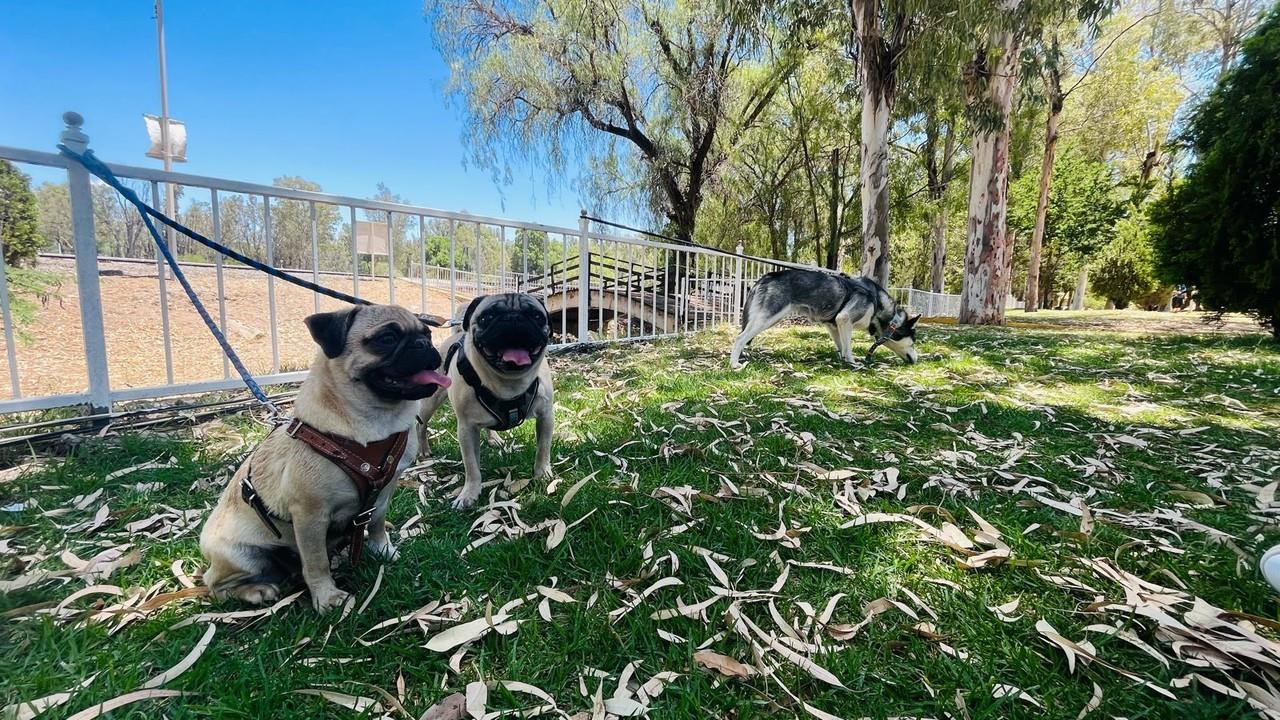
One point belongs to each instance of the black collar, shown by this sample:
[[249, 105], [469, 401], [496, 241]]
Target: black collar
[[507, 413]]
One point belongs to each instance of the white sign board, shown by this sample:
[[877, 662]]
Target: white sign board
[[371, 238], [177, 138]]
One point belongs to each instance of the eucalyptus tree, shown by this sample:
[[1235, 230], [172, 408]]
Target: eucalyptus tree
[[1060, 81], [1003, 28]]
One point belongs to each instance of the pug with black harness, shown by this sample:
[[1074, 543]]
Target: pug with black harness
[[326, 477], [499, 378]]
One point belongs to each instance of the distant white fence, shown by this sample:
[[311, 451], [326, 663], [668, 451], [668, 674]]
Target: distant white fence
[[931, 304]]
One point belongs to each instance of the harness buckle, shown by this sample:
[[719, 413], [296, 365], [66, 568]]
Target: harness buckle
[[362, 518]]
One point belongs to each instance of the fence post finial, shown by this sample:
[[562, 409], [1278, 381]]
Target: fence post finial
[[72, 136]]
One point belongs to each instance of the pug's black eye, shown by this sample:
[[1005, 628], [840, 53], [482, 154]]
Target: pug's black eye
[[386, 338]]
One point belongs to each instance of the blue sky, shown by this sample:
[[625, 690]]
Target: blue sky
[[346, 94]]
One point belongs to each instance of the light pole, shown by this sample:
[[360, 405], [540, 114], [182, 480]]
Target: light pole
[[166, 150]]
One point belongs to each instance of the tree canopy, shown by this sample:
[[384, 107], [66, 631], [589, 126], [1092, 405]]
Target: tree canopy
[[1219, 229]]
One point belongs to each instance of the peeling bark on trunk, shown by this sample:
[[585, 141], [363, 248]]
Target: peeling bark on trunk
[[875, 188], [877, 69], [986, 263], [1053, 86]]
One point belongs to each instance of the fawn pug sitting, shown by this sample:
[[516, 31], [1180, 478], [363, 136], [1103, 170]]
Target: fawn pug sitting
[[328, 475]]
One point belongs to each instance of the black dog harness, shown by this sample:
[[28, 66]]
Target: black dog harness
[[507, 413], [849, 291], [887, 336], [370, 467]]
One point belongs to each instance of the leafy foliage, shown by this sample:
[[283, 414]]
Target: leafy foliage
[[1082, 212], [18, 234], [1124, 270], [1220, 229]]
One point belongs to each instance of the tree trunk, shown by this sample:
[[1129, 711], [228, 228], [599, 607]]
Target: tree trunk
[[1082, 285], [938, 277], [835, 253], [986, 262], [1054, 88], [876, 65], [939, 178]]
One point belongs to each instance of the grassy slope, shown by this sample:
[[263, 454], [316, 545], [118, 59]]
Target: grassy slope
[[1056, 396]]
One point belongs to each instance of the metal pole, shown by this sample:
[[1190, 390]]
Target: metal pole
[[391, 263], [453, 269], [315, 255], [271, 285], [584, 277], [166, 150], [217, 264], [95, 343]]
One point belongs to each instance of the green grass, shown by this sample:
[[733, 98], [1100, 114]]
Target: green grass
[[1046, 399]]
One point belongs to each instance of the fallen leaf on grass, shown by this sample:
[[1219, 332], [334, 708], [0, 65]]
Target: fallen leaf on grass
[[1072, 649], [1093, 703], [1197, 499], [477, 699], [1003, 691], [1005, 611], [237, 614], [453, 707], [185, 663], [357, 703], [723, 664], [464, 633], [32, 708], [126, 699]]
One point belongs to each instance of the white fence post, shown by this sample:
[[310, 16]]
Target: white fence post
[[584, 277], [737, 285], [95, 344]]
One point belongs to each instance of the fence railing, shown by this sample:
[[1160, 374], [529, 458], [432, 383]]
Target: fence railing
[[100, 329], [931, 304], [114, 327]]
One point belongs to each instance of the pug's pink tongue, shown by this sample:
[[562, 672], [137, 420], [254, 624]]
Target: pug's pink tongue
[[430, 377], [519, 357]]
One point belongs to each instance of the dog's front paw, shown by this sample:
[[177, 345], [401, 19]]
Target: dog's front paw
[[383, 549], [541, 471], [257, 593], [330, 598], [466, 497], [737, 365]]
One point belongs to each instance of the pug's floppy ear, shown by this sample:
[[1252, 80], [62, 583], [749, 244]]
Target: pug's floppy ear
[[330, 329], [471, 309]]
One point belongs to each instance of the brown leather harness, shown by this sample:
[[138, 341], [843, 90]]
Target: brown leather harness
[[370, 468]]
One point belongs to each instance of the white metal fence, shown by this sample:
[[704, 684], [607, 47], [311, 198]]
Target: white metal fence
[[115, 327], [931, 304]]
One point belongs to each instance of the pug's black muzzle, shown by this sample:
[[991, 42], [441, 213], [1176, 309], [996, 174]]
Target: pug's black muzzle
[[511, 341], [394, 378]]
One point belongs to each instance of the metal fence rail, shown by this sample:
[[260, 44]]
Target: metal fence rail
[[129, 334]]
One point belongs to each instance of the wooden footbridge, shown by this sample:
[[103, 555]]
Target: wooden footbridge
[[625, 298]]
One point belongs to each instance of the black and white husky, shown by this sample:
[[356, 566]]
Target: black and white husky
[[839, 303]]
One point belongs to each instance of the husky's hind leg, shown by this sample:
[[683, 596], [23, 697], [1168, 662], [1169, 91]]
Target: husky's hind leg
[[757, 322]]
